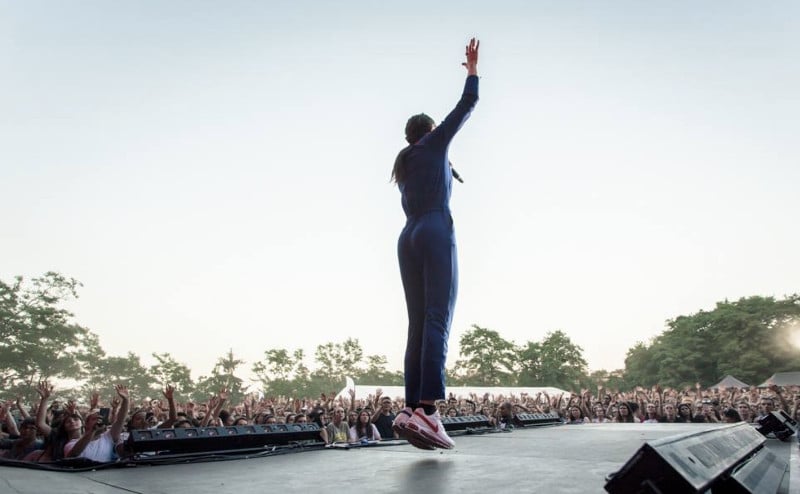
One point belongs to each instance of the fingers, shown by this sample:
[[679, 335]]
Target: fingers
[[473, 46]]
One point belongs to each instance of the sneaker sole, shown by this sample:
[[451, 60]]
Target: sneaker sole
[[418, 442], [420, 435], [412, 439]]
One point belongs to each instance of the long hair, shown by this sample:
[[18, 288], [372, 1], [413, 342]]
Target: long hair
[[629, 416], [416, 127], [59, 437], [364, 430]]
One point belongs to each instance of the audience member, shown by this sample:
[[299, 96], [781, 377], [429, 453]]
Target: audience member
[[364, 429]]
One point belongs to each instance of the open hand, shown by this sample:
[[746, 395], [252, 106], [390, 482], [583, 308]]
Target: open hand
[[472, 57], [169, 392], [122, 391], [44, 389]]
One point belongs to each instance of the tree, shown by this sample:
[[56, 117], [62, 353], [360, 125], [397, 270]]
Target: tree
[[222, 377], [376, 372], [282, 373], [167, 370], [610, 380], [562, 362], [641, 368], [488, 359], [336, 361], [128, 370], [38, 338], [529, 359], [750, 339]]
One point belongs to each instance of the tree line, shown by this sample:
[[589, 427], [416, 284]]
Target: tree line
[[39, 339]]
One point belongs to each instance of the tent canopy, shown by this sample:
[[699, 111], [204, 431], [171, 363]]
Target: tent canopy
[[365, 390], [730, 382], [782, 379]]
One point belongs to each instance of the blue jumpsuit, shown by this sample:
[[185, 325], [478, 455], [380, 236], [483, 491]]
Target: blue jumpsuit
[[427, 253]]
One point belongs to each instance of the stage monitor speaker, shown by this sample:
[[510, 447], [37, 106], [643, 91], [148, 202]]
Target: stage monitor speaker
[[536, 419], [779, 424], [689, 462], [761, 474], [465, 422], [197, 439]]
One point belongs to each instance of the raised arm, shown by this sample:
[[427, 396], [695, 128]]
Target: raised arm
[[169, 394], [441, 135], [7, 417], [777, 390], [122, 414], [91, 422], [22, 412], [212, 405], [223, 398], [44, 389]]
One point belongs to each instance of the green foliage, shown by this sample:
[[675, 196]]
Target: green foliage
[[641, 367], [38, 339], [377, 373], [749, 339], [488, 359], [127, 370], [610, 380], [167, 370], [281, 373], [222, 377], [336, 361], [555, 361], [529, 360]]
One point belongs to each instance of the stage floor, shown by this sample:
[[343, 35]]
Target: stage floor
[[552, 459]]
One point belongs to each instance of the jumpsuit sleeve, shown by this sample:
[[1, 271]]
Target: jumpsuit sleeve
[[444, 133]]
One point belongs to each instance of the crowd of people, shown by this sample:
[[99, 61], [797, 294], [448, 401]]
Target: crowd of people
[[52, 430]]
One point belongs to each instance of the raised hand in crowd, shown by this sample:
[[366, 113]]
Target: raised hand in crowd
[[352, 393], [122, 413], [94, 400], [115, 407], [7, 418], [44, 389], [22, 411], [71, 408], [169, 394]]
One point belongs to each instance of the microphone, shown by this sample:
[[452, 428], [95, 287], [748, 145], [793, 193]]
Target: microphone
[[455, 174]]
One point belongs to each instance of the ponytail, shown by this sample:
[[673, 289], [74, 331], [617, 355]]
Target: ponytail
[[416, 127], [399, 169]]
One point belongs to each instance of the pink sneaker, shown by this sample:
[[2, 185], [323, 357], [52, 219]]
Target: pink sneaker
[[428, 429], [399, 424]]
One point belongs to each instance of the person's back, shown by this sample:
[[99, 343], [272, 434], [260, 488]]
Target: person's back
[[427, 177], [426, 251]]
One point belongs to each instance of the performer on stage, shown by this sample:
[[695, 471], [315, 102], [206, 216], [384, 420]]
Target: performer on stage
[[428, 267]]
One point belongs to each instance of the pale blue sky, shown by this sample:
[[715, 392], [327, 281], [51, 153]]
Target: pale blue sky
[[217, 173]]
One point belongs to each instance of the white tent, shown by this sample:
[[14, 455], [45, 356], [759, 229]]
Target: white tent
[[363, 391], [730, 382], [782, 379]]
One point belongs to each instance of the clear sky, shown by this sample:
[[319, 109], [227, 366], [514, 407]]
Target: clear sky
[[216, 174]]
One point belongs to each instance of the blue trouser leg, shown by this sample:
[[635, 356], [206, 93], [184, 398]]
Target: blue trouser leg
[[429, 270]]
